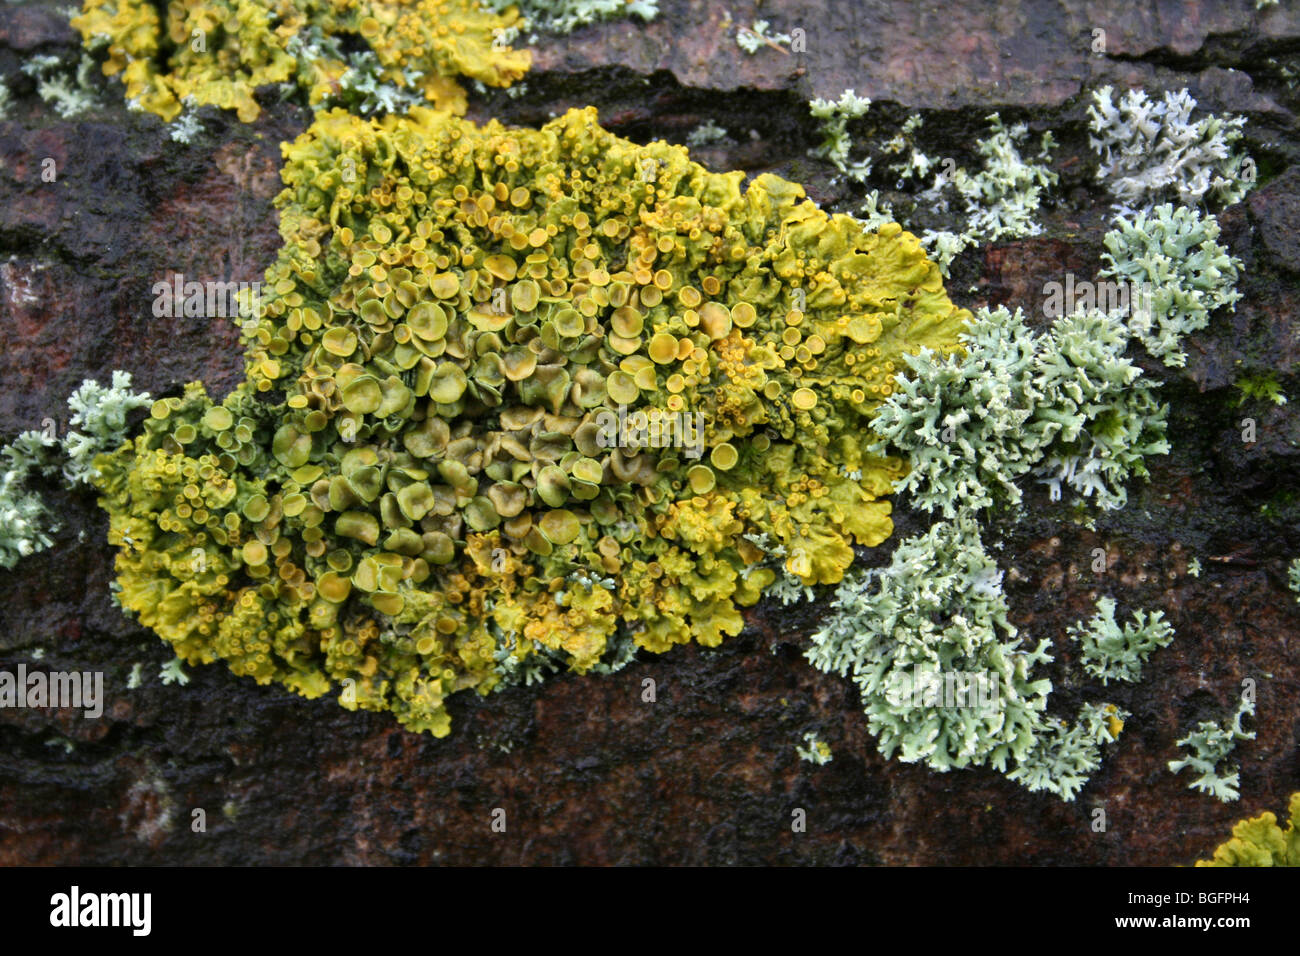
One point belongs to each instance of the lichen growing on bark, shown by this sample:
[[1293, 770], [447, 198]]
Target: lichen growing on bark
[[529, 390], [218, 53]]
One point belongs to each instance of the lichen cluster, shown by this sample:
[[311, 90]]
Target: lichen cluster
[[1259, 841], [529, 399], [1067, 753], [815, 750], [1173, 260], [937, 609], [467, 438], [755, 37], [187, 52], [1001, 199], [68, 89], [964, 420], [98, 424], [1151, 150], [833, 118], [26, 522], [934, 619], [1206, 752], [1167, 255], [1065, 406], [1103, 419], [565, 16], [1112, 652]]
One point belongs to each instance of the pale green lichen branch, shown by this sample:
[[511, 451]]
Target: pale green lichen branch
[[706, 133], [1003, 198], [173, 672], [836, 144], [1208, 747], [753, 38], [71, 91], [944, 678], [1117, 653], [1151, 150], [25, 522], [1177, 271], [98, 424], [1065, 754], [1065, 406]]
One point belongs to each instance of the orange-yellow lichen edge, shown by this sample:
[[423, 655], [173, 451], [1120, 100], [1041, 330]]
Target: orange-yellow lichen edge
[[1259, 841], [520, 397], [217, 52]]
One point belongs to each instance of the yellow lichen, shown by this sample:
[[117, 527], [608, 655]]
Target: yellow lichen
[[530, 396], [218, 53], [1259, 841]]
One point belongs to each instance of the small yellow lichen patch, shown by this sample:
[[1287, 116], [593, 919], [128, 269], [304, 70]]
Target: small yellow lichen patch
[[1259, 841], [218, 53]]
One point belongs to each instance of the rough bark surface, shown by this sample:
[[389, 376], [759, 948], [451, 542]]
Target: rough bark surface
[[586, 771]]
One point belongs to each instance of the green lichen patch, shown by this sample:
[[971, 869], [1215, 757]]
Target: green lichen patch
[[1151, 150], [1001, 199], [815, 750], [944, 678], [67, 88], [1117, 653], [833, 118], [1179, 273], [1207, 749], [1066, 753], [1066, 407], [937, 610], [26, 522], [98, 424]]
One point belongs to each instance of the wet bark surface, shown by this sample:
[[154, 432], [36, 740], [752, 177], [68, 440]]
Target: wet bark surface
[[586, 770]]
